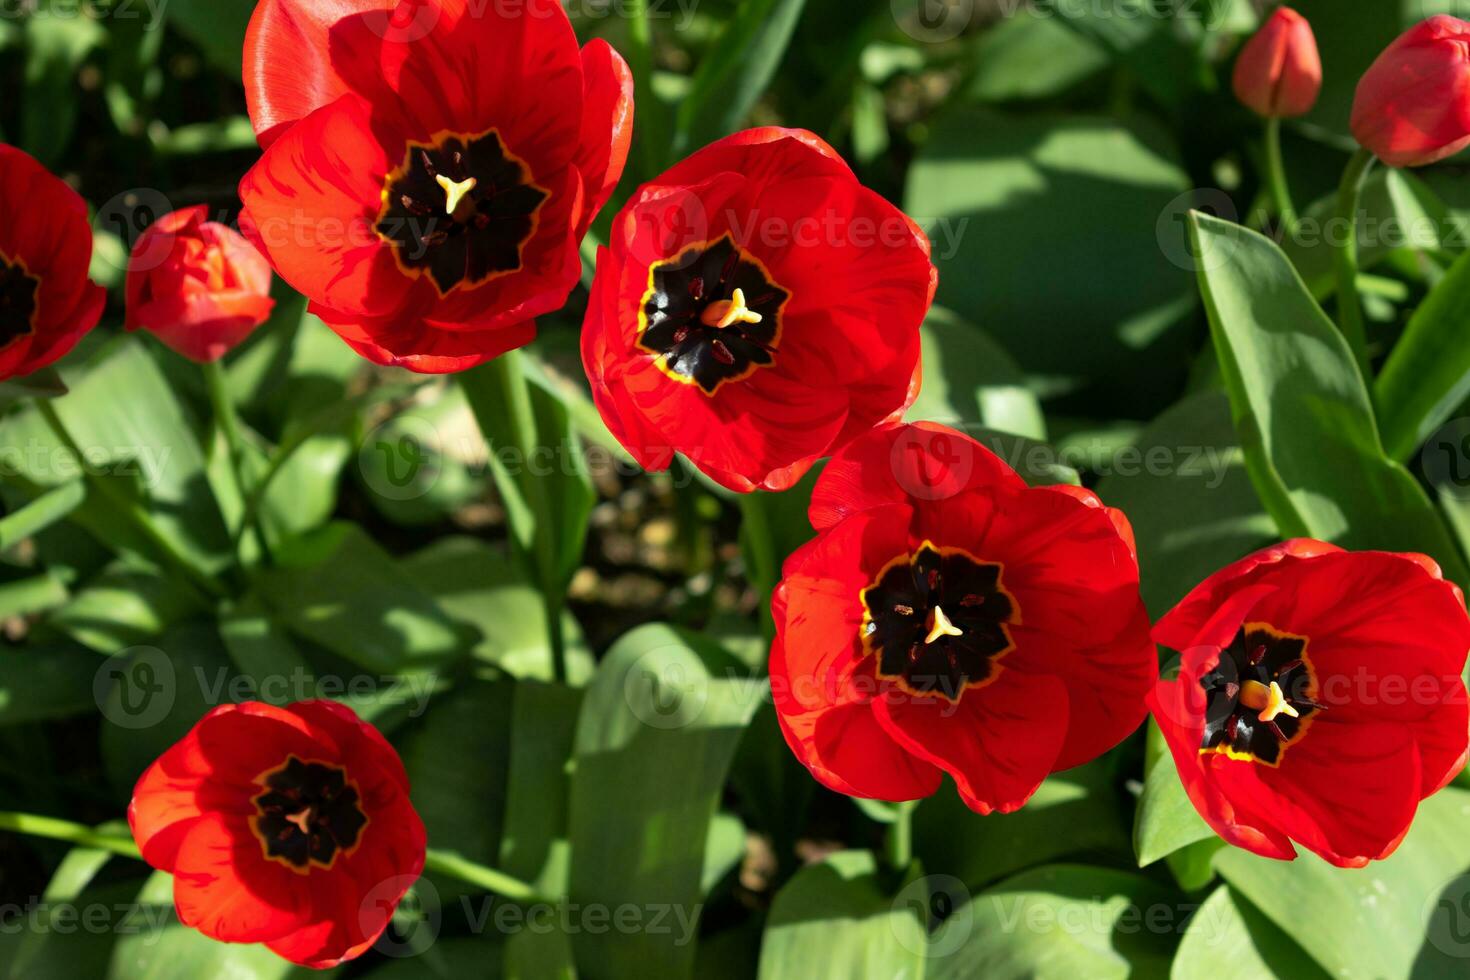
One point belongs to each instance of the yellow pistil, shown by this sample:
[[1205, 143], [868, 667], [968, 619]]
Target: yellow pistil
[[454, 191], [1269, 701], [302, 820], [939, 625], [723, 313]]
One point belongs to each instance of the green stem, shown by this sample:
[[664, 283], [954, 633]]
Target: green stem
[[227, 420], [454, 866], [760, 551], [1349, 308], [900, 841], [170, 554], [441, 862], [506, 375], [65, 830], [1276, 177]]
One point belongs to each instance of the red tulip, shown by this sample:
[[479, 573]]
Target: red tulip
[[950, 620], [46, 300], [197, 285], [1319, 698], [1279, 73], [757, 309], [429, 170], [1413, 104], [285, 826]]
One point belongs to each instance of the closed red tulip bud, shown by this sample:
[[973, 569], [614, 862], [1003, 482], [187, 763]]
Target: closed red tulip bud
[[198, 285], [1413, 104], [1279, 72]]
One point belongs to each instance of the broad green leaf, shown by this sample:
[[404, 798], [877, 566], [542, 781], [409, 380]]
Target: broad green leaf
[[534, 845], [538, 466], [263, 651], [217, 26], [1427, 377], [539, 954], [32, 595], [1107, 312], [57, 45], [482, 587], [124, 415], [1301, 407], [457, 764], [42, 682], [1166, 820], [163, 949], [1397, 212], [41, 513], [1397, 918], [1075, 814], [1184, 486], [1229, 939], [970, 379], [57, 948], [129, 603], [735, 69], [1061, 921], [834, 921], [150, 696], [337, 588], [654, 742], [1029, 56], [426, 462]]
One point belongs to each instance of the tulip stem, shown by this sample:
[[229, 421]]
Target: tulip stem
[[763, 567], [227, 421], [1276, 176], [131, 507], [1349, 307], [899, 844], [500, 396], [74, 833], [454, 866]]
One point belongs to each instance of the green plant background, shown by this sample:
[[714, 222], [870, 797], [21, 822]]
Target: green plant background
[[1088, 326]]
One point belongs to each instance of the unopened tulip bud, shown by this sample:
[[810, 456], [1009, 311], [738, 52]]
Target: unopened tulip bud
[[1279, 73]]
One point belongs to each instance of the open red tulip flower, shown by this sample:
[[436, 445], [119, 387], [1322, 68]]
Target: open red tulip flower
[[1319, 698], [430, 167], [1413, 104], [46, 300], [949, 619], [757, 309], [287, 826], [197, 285], [1279, 72]]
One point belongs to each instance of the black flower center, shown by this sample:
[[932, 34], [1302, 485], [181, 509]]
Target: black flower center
[[937, 621], [1260, 697], [17, 301], [307, 813], [460, 208], [712, 313]]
